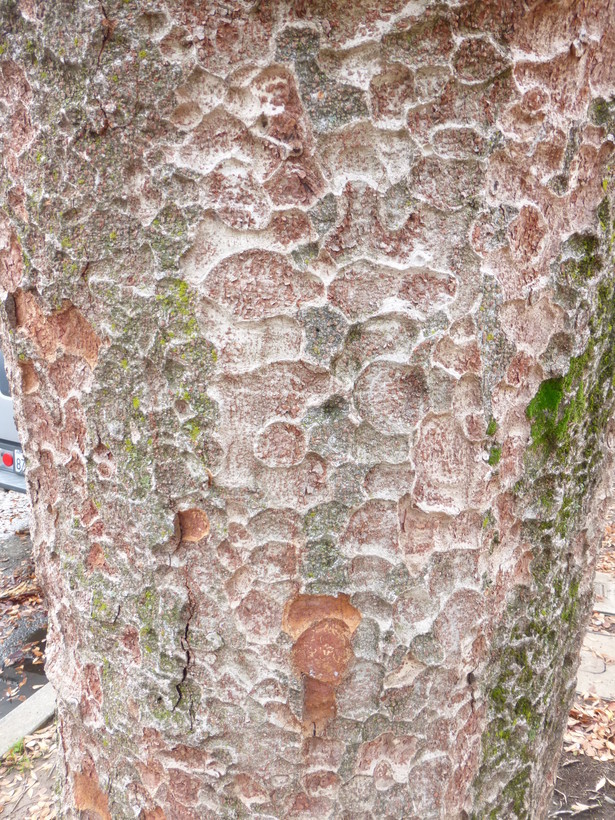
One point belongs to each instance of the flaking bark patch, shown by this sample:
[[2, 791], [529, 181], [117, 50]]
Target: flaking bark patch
[[322, 626], [193, 524], [89, 797], [64, 330]]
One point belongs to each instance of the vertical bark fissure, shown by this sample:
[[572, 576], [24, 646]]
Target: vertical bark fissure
[[108, 27], [185, 644]]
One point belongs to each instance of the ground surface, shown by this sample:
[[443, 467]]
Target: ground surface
[[584, 788], [585, 784], [22, 614], [27, 774], [28, 777]]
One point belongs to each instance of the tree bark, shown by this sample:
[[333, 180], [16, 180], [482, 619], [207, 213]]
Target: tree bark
[[308, 310]]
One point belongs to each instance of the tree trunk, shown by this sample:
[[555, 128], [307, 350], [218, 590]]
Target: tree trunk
[[308, 309]]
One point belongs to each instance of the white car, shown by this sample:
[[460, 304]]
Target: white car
[[12, 462]]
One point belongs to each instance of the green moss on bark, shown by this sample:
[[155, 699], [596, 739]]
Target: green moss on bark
[[528, 687]]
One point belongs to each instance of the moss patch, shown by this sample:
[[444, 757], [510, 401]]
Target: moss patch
[[527, 686]]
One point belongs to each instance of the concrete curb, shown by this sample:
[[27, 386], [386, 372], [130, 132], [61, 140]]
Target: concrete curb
[[604, 589], [27, 717]]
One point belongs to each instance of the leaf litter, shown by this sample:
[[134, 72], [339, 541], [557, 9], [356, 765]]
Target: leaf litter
[[28, 777]]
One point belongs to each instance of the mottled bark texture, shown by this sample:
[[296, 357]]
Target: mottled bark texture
[[308, 307]]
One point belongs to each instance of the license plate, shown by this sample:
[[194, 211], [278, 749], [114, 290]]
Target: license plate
[[20, 462]]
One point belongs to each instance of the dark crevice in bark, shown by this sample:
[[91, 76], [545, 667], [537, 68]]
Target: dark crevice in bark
[[471, 679], [105, 125], [178, 686], [108, 27], [185, 644]]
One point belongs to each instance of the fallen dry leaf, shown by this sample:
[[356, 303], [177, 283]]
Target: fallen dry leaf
[[591, 728]]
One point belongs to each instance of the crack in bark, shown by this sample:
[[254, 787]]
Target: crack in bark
[[471, 679], [87, 129], [109, 27], [185, 644]]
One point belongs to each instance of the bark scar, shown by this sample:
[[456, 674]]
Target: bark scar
[[322, 626]]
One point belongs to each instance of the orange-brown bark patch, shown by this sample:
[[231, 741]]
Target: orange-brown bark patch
[[322, 626], [29, 379], [89, 796], [305, 610], [152, 814], [95, 558], [318, 704], [323, 651], [250, 791], [76, 335], [30, 318], [67, 329], [193, 524]]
